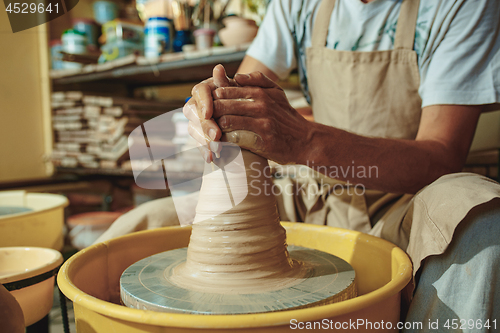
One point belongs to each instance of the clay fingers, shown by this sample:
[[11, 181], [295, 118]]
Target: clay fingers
[[239, 107], [250, 93], [204, 131], [229, 123], [220, 77], [256, 79], [245, 139], [202, 97]]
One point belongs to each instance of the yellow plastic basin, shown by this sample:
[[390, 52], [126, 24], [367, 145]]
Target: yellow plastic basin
[[91, 280], [29, 273], [40, 227]]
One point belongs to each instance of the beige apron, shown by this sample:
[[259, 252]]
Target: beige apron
[[367, 93], [376, 94]]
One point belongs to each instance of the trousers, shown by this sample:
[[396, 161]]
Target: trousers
[[459, 290]]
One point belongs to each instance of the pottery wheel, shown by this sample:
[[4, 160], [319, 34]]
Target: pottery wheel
[[146, 285]]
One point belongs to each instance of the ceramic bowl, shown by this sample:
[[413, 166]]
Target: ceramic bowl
[[28, 273], [237, 31], [32, 219]]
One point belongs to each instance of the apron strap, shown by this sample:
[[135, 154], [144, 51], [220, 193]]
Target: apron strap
[[405, 30], [321, 24], [407, 24]]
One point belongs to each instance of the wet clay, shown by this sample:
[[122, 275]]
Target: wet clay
[[237, 244]]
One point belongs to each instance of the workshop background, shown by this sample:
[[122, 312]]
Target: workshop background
[[72, 90]]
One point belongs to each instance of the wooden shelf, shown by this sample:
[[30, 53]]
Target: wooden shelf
[[161, 73], [120, 77], [484, 157]]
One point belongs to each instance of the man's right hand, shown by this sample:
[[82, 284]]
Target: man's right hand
[[199, 110]]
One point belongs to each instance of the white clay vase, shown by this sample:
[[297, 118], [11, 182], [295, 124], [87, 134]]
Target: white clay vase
[[238, 30]]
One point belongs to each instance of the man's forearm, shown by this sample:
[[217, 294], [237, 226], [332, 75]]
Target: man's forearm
[[389, 165], [394, 165]]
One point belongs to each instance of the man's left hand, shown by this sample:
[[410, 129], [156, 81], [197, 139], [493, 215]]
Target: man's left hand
[[258, 117]]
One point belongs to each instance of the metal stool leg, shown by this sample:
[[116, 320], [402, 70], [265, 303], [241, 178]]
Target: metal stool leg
[[64, 311]]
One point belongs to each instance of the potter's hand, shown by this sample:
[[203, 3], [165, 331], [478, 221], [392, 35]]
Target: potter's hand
[[199, 111], [258, 117], [153, 214]]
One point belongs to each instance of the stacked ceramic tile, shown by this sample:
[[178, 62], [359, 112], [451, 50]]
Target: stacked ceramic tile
[[91, 131]]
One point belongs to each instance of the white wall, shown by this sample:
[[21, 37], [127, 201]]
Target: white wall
[[25, 128]]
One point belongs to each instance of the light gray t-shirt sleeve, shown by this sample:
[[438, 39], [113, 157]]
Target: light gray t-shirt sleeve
[[274, 43], [460, 64]]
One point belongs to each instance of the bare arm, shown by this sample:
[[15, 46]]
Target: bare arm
[[392, 165], [257, 116], [275, 130]]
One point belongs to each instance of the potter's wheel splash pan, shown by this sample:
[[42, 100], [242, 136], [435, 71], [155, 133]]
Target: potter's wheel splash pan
[[91, 280]]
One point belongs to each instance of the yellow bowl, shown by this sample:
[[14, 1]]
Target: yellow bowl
[[91, 280], [28, 273], [42, 226]]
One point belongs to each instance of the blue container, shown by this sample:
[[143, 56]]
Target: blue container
[[105, 11], [182, 37], [158, 34]]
